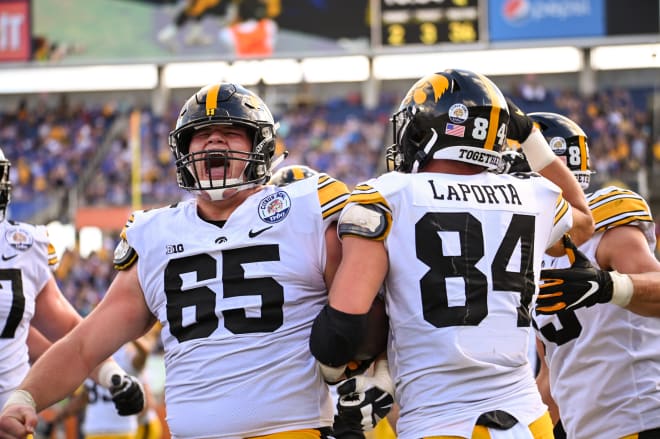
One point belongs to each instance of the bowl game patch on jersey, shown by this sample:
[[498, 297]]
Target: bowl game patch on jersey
[[275, 207], [19, 239]]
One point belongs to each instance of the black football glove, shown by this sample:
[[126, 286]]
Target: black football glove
[[581, 285], [364, 400], [520, 125], [127, 394]]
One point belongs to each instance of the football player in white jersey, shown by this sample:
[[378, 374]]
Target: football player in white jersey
[[235, 276], [459, 250], [33, 310], [603, 363]]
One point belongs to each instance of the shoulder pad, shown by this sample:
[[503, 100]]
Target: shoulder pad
[[124, 255], [367, 221]]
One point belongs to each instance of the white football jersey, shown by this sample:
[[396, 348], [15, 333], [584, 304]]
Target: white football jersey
[[26, 262], [101, 417], [604, 361], [237, 304], [465, 253]]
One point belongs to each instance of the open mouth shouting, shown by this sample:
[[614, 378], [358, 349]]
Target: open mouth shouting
[[216, 165]]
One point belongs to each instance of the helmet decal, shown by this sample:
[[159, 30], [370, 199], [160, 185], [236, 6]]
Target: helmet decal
[[458, 113], [419, 93]]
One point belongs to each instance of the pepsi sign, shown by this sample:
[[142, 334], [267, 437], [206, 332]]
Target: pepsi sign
[[544, 19]]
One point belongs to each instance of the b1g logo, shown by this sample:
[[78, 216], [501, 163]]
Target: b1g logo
[[275, 207], [173, 248]]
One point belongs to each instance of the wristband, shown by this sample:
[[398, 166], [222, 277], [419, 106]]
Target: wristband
[[537, 151], [20, 397], [107, 370], [622, 289]]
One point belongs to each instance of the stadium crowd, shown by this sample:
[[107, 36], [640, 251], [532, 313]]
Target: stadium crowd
[[52, 147]]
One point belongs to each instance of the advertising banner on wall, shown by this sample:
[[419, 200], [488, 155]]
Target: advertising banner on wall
[[14, 30], [129, 30], [511, 20]]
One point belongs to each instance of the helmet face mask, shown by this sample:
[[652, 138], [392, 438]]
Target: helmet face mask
[[455, 115], [223, 104], [5, 184], [568, 141]]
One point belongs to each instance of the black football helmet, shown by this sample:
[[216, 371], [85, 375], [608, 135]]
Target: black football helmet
[[288, 174], [224, 104], [568, 141], [5, 184], [455, 115]]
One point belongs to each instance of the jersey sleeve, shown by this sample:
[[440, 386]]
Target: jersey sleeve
[[563, 220], [613, 207], [51, 253], [125, 255], [350, 223], [333, 195]]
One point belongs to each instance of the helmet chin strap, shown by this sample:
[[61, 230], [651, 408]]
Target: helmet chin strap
[[224, 193]]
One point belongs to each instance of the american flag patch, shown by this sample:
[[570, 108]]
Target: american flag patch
[[455, 130]]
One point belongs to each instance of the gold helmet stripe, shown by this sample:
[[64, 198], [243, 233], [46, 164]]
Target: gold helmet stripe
[[584, 158], [212, 99], [493, 123]]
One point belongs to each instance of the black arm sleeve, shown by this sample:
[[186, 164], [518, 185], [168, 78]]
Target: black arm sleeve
[[336, 336]]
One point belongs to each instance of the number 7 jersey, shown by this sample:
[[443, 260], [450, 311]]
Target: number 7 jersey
[[237, 304], [465, 253], [27, 261]]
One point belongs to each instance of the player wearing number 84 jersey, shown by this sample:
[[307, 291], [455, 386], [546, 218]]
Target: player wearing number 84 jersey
[[459, 249]]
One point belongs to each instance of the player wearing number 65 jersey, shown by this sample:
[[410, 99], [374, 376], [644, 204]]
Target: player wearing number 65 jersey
[[459, 250], [235, 276], [603, 362]]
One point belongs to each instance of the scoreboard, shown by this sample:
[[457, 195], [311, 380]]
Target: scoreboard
[[428, 22]]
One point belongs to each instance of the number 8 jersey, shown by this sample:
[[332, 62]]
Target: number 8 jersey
[[237, 303], [465, 254]]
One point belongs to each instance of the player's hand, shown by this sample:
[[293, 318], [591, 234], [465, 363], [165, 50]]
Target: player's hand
[[512, 162], [17, 421], [365, 400], [520, 125], [127, 394], [581, 285]]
